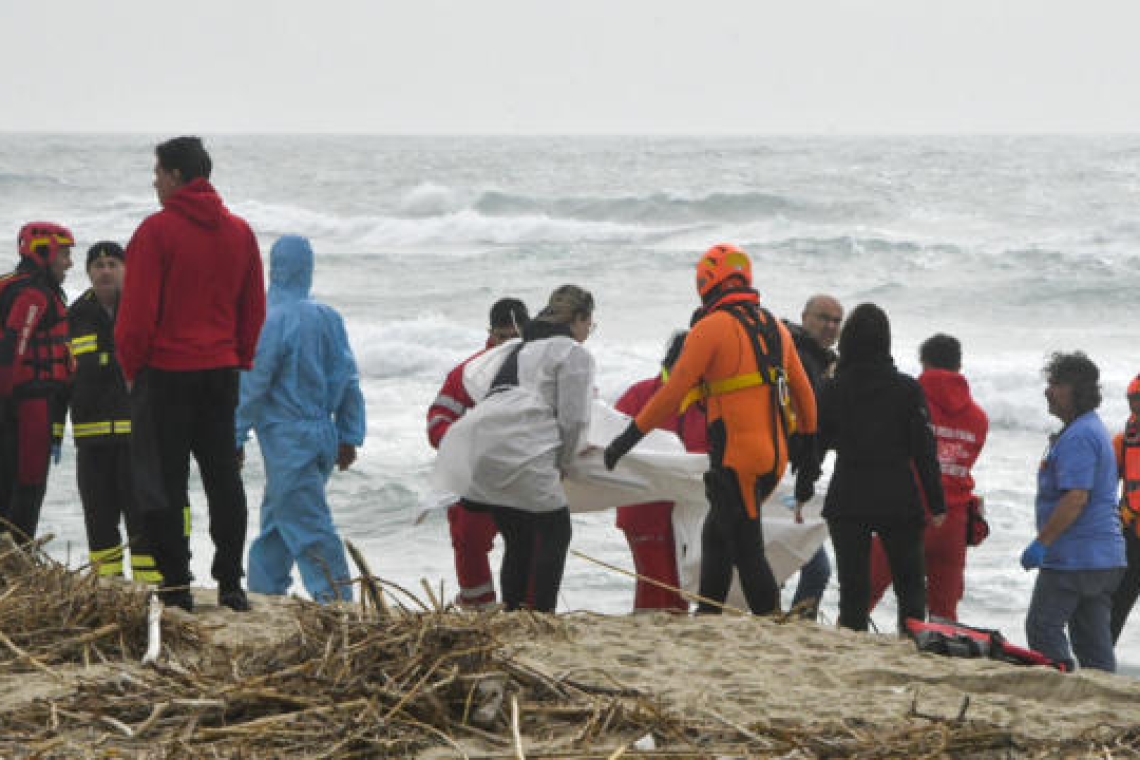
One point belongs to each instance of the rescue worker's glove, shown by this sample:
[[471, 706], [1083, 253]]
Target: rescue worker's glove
[[621, 445], [1033, 555], [56, 451], [1127, 514], [805, 464]]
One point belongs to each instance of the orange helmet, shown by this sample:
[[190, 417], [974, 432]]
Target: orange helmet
[[41, 241], [1134, 386], [719, 264]]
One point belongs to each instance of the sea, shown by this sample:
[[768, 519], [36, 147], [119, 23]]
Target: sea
[[1018, 245]]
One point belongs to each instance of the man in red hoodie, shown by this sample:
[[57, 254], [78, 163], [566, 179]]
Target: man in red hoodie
[[192, 307], [472, 533], [960, 428]]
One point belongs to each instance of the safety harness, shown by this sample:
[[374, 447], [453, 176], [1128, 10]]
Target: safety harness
[[1130, 474], [758, 323]]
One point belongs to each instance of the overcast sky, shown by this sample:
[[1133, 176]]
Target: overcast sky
[[576, 66]]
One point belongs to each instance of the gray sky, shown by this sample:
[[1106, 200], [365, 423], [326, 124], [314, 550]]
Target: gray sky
[[577, 66]]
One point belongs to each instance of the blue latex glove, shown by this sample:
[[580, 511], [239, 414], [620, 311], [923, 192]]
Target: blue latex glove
[[1033, 555], [56, 451]]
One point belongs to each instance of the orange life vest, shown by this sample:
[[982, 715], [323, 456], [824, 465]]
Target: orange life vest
[[1128, 460]]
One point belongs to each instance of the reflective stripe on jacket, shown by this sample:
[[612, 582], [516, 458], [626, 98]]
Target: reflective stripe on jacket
[[100, 405]]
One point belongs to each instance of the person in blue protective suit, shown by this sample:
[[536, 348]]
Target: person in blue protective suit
[[303, 400]]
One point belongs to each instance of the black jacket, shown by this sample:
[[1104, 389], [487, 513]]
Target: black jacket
[[804, 453], [100, 406], [876, 420], [815, 358]]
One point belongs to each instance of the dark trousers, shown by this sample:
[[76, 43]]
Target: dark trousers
[[25, 450], [534, 555], [174, 415], [730, 538], [904, 548], [1129, 588], [103, 472]]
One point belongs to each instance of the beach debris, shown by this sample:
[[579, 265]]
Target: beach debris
[[397, 679], [153, 629]]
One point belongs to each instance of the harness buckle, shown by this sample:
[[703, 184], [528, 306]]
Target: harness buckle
[[782, 389]]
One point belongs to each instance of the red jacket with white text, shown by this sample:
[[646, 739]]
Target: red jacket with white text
[[194, 292], [960, 427]]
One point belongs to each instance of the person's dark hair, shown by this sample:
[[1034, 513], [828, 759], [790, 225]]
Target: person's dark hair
[[186, 154], [105, 248], [509, 312], [673, 348], [866, 335], [1077, 371], [941, 351]]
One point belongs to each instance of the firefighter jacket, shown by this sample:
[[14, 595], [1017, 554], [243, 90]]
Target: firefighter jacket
[[100, 404]]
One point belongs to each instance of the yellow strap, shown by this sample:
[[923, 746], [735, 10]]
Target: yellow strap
[[107, 562], [84, 344], [88, 429], [186, 521], [146, 576], [143, 569], [102, 555], [105, 427], [720, 387], [109, 569]]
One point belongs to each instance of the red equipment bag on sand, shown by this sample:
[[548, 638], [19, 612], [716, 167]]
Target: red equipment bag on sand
[[957, 640]]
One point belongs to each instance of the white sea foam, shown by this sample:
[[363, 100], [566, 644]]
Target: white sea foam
[[1019, 246]]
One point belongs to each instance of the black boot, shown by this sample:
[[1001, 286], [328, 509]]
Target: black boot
[[233, 597]]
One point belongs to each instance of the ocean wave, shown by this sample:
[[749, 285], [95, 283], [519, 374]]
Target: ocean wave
[[350, 233], [24, 182], [664, 208]]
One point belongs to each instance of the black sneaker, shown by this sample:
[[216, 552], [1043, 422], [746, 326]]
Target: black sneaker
[[234, 598], [177, 597]]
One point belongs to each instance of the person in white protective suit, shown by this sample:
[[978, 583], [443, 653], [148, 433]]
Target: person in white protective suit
[[508, 455], [303, 399]]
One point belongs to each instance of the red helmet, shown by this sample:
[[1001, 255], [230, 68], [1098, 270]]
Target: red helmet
[[1134, 386], [719, 264], [41, 241]]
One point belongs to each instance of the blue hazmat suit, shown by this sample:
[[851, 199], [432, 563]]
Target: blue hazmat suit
[[303, 400]]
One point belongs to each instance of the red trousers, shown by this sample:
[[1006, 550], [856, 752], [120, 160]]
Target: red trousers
[[649, 530], [472, 535], [945, 548], [25, 450]]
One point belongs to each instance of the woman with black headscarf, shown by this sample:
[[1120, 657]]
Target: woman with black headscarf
[[886, 476]]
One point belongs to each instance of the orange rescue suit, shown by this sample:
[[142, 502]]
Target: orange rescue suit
[[716, 349], [1127, 446]]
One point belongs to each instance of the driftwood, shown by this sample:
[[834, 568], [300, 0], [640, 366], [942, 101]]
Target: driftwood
[[380, 681]]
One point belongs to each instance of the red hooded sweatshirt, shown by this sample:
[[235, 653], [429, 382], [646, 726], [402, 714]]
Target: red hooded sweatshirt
[[960, 428], [194, 292]]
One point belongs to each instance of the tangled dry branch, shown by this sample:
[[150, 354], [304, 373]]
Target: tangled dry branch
[[374, 680]]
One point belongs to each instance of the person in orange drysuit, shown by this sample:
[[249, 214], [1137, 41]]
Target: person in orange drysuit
[[742, 362], [649, 527]]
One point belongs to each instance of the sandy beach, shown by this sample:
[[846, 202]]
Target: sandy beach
[[683, 686]]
